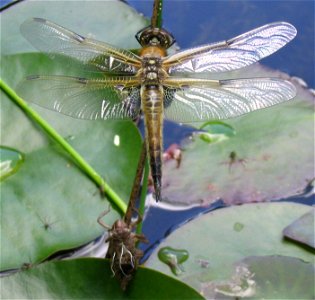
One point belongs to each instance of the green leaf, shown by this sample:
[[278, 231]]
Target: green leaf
[[49, 204], [113, 22], [253, 165], [50, 188], [218, 240], [90, 279], [265, 277]]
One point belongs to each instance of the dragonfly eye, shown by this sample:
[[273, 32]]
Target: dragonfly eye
[[155, 37]]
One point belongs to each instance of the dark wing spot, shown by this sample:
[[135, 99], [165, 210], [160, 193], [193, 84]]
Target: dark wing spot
[[82, 80], [79, 38], [32, 77], [40, 20]]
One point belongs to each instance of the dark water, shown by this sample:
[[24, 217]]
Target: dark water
[[199, 22]]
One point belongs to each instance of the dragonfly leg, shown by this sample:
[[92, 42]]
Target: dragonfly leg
[[99, 219]]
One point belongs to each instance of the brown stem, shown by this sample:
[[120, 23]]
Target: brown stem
[[136, 186]]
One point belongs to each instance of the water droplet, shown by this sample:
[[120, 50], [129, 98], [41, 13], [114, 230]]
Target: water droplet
[[10, 161], [238, 226], [173, 258], [215, 131]]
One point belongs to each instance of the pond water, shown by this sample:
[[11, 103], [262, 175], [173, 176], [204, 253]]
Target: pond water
[[199, 22]]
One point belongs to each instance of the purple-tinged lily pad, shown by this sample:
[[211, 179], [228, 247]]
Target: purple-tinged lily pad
[[270, 156], [302, 229]]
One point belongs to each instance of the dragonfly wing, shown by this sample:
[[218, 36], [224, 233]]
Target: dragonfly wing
[[83, 98], [235, 53], [226, 99], [53, 39]]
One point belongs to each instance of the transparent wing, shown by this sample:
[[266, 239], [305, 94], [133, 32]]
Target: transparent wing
[[235, 53], [224, 99], [53, 39], [84, 98]]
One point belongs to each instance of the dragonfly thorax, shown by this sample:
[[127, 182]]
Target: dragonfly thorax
[[152, 71]]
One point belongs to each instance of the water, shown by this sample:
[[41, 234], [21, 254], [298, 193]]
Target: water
[[199, 22]]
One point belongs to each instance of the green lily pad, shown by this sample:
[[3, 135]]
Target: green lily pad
[[253, 165], [49, 204], [302, 229], [218, 240], [51, 189], [90, 279], [265, 277], [111, 21]]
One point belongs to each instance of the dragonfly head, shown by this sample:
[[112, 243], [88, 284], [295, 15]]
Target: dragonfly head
[[150, 36]]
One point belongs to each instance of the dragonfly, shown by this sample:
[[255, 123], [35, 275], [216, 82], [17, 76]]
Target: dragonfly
[[155, 84]]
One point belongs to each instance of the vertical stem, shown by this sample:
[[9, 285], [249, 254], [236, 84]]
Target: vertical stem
[[143, 194], [136, 185], [156, 20]]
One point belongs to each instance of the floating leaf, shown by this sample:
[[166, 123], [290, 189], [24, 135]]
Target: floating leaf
[[218, 240], [49, 204], [280, 277], [302, 229], [254, 165], [90, 279], [265, 277]]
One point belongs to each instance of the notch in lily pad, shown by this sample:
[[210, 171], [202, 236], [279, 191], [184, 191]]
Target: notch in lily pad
[[10, 161], [174, 258], [215, 131]]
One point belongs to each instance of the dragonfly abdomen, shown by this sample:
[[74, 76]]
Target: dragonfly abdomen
[[152, 107]]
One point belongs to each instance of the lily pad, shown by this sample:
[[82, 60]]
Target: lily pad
[[50, 189], [265, 277], [111, 21], [218, 240], [302, 229], [257, 163], [49, 205], [90, 279]]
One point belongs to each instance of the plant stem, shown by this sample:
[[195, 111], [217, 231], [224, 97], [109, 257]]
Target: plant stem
[[156, 20], [136, 185], [113, 197], [143, 195]]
